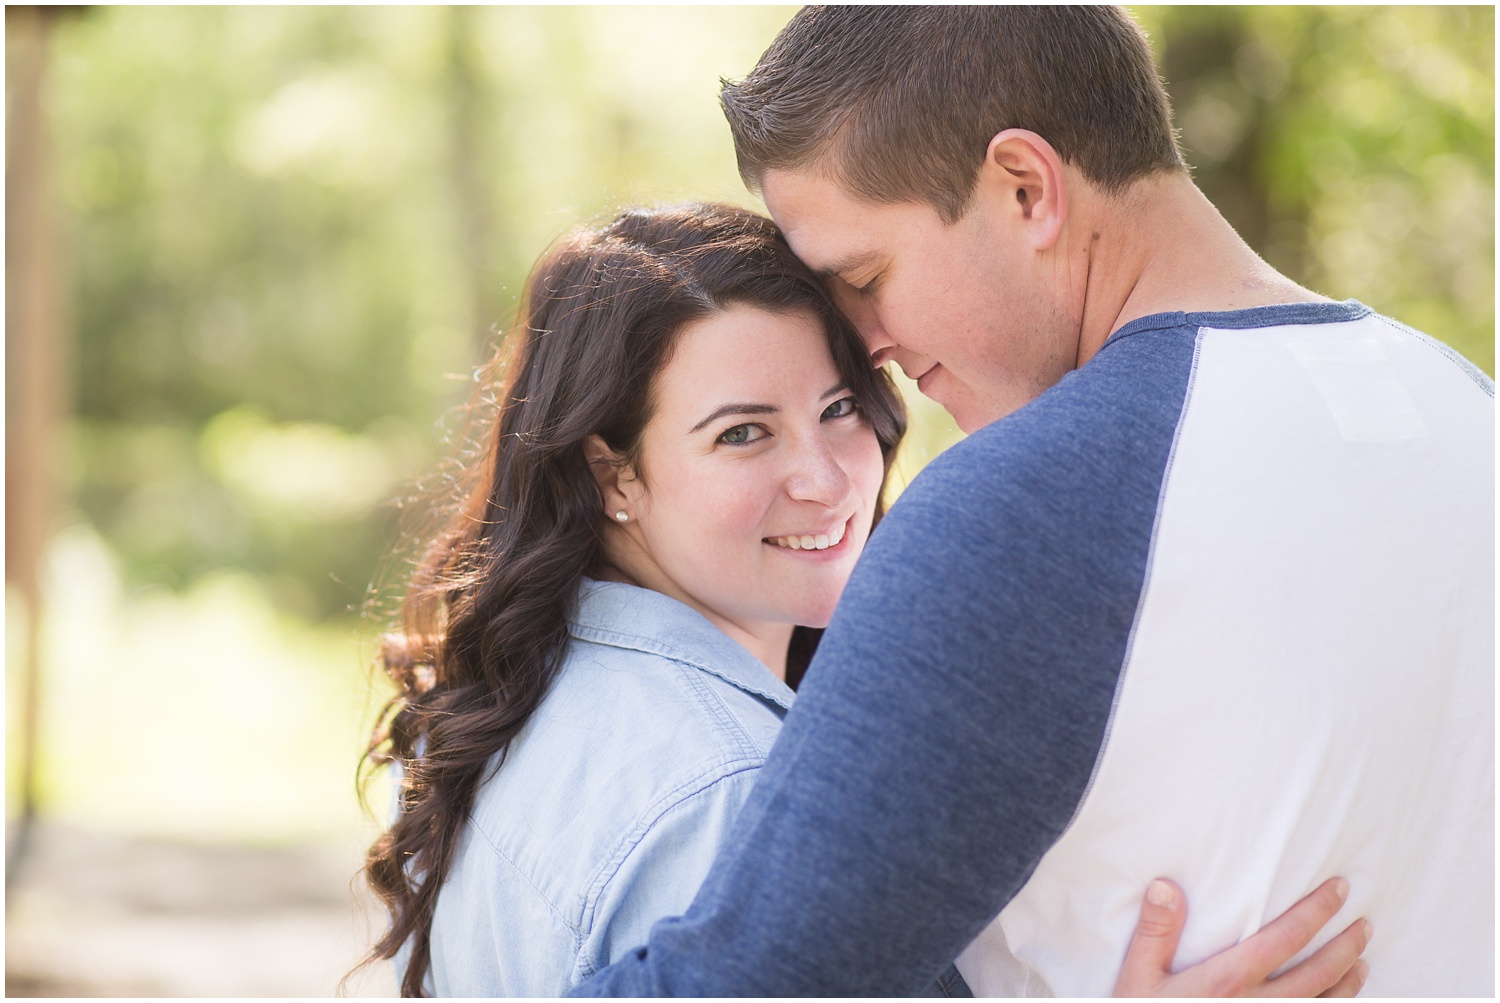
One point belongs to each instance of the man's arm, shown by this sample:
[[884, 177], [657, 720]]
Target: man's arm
[[942, 740]]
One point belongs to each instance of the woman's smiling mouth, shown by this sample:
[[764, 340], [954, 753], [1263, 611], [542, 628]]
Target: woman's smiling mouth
[[810, 541]]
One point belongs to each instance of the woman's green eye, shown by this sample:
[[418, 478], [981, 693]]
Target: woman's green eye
[[737, 435], [841, 407]]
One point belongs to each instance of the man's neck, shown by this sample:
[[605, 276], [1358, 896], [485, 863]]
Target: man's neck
[[1163, 247]]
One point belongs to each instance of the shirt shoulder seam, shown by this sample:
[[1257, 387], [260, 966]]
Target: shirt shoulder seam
[[1453, 358], [524, 876], [681, 795], [1166, 477]]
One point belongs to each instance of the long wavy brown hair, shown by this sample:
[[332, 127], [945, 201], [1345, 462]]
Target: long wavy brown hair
[[483, 624]]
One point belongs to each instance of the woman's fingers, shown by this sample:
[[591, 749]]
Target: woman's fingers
[[1148, 962], [1278, 941], [1244, 970], [1328, 971], [1349, 986]]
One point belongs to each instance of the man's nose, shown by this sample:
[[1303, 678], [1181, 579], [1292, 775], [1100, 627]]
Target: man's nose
[[865, 320]]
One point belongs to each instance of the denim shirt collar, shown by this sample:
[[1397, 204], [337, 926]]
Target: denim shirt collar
[[627, 616]]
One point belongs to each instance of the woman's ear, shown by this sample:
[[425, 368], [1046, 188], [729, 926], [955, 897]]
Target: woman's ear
[[617, 481], [1030, 177]]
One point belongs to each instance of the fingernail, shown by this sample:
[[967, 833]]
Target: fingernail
[[1158, 892], [1369, 929], [1362, 971], [1341, 888]]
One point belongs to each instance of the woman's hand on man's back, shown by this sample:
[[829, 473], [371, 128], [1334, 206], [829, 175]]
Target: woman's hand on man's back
[[1334, 970]]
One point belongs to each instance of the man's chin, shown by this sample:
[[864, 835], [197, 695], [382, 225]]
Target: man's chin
[[938, 386], [971, 416]]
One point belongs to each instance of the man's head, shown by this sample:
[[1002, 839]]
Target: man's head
[[933, 147]]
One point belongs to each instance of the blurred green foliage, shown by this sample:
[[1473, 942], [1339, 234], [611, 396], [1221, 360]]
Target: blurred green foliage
[[292, 232], [293, 229], [1353, 147]]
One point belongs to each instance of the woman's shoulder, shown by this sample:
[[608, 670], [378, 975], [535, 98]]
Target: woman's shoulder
[[622, 728], [650, 697], [649, 713], [648, 670], [624, 624]]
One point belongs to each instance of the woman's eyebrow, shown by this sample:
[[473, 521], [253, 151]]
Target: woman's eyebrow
[[729, 409]]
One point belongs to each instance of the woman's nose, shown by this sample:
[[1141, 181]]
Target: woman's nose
[[817, 475]]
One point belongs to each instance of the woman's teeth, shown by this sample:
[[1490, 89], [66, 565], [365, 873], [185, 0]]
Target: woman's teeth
[[820, 542]]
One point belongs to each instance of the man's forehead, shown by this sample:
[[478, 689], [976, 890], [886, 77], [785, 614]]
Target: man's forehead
[[821, 222], [793, 189]]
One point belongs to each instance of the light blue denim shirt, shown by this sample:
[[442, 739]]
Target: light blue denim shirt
[[612, 801]]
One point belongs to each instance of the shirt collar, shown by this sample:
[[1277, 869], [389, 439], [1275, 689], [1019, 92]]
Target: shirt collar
[[627, 616], [1274, 315]]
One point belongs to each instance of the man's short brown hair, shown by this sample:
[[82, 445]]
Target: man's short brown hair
[[899, 104]]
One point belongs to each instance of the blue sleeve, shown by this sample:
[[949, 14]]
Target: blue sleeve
[[948, 727]]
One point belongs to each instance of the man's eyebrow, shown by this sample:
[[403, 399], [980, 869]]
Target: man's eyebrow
[[840, 267], [729, 409]]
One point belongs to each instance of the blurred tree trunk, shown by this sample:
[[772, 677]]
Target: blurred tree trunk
[[1225, 98], [35, 357], [468, 121]]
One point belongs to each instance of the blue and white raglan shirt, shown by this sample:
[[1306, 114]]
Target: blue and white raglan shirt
[[1218, 606]]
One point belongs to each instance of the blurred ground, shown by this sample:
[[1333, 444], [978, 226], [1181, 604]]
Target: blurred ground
[[91, 914]]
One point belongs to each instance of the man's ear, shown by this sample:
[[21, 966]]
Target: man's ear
[[1029, 176], [616, 479]]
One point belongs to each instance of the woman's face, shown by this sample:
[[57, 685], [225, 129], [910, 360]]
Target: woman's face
[[758, 476]]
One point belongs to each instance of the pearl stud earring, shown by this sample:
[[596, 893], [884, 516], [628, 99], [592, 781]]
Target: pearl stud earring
[[622, 516]]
